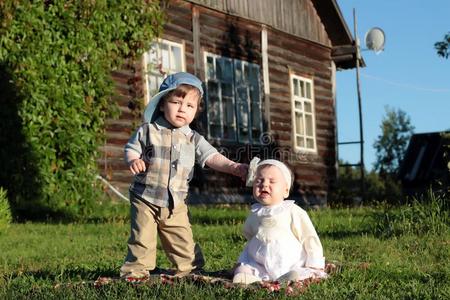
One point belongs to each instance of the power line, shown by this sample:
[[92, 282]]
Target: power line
[[405, 85]]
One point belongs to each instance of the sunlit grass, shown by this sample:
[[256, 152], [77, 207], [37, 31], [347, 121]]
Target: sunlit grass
[[381, 253]]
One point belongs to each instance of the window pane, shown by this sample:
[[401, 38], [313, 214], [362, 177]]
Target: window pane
[[214, 110], [165, 56], [308, 106], [243, 122], [238, 71], [298, 105], [159, 80], [309, 125], [227, 70], [246, 75], [302, 88], [309, 143], [210, 67], [213, 103], [300, 142], [229, 131], [295, 83], [227, 90], [219, 67], [299, 129], [255, 100], [243, 114], [242, 107], [152, 85], [254, 74], [308, 90], [228, 110], [152, 57], [214, 130], [176, 59], [256, 109]]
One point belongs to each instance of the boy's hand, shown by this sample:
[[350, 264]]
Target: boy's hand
[[137, 166], [239, 170]]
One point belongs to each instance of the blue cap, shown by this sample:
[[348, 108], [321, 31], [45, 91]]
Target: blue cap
[[170, 83]]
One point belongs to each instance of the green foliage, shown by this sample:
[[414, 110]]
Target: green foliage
[[347, 190], [56, 58], [390, 146], [5, 212], [442, 47], [445, 178]]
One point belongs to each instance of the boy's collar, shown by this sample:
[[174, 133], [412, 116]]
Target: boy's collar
[[161, 122]]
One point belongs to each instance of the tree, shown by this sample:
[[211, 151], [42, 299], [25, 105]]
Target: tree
[[443, 47], [396, 131], [391, 144]]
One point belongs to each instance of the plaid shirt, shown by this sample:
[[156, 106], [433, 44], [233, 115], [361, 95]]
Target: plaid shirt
[[169, 154]]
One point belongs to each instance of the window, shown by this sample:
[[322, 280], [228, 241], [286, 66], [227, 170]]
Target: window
[[233, 99], [303, 119], [163, 58]]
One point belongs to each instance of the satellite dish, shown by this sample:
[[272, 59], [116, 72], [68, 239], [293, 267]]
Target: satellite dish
[[375, 39]]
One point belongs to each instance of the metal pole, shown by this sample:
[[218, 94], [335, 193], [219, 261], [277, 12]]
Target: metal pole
[[361, 135]]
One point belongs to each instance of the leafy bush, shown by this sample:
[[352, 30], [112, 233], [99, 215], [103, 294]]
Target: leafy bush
[[347, 190], [5, 213], [56, 58]]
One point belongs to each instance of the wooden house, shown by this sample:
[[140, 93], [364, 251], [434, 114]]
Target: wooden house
[[268, 67]]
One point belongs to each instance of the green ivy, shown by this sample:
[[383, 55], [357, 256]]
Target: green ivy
[[56, 59], [5, 212]]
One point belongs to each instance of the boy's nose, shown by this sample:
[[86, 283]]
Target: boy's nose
[[182, 107]]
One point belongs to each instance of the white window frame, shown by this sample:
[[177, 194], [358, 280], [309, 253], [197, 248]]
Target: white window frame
[[151, 87], [235, 86], [301, 97]]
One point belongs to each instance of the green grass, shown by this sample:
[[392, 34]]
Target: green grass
[[381, 253]]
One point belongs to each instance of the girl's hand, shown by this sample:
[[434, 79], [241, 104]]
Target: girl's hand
[[137, 166]]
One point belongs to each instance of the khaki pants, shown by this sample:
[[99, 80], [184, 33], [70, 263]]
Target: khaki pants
[[174, 230]]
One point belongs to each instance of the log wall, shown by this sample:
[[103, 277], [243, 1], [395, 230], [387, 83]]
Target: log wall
[[228, 35]]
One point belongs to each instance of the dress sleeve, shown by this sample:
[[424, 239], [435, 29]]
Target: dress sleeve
[[305, 232]]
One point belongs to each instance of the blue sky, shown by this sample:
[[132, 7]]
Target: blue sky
[[407, 75]]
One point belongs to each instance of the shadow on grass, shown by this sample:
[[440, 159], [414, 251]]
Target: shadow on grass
[[217, 220], [79, 274]]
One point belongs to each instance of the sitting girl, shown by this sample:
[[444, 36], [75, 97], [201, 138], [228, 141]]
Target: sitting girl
[[282, 242]]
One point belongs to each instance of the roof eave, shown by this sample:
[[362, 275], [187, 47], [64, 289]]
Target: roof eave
[[343, 44]]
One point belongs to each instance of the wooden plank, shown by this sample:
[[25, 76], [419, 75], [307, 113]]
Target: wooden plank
[[265, 60], [196, 40], [296, 17]]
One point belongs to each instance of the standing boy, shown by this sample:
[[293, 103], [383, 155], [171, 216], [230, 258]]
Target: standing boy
[[161, 154]]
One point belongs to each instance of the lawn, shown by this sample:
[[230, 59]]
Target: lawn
[[380, 253]]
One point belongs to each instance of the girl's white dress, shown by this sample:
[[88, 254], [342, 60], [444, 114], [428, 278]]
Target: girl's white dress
[[281, 239]]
